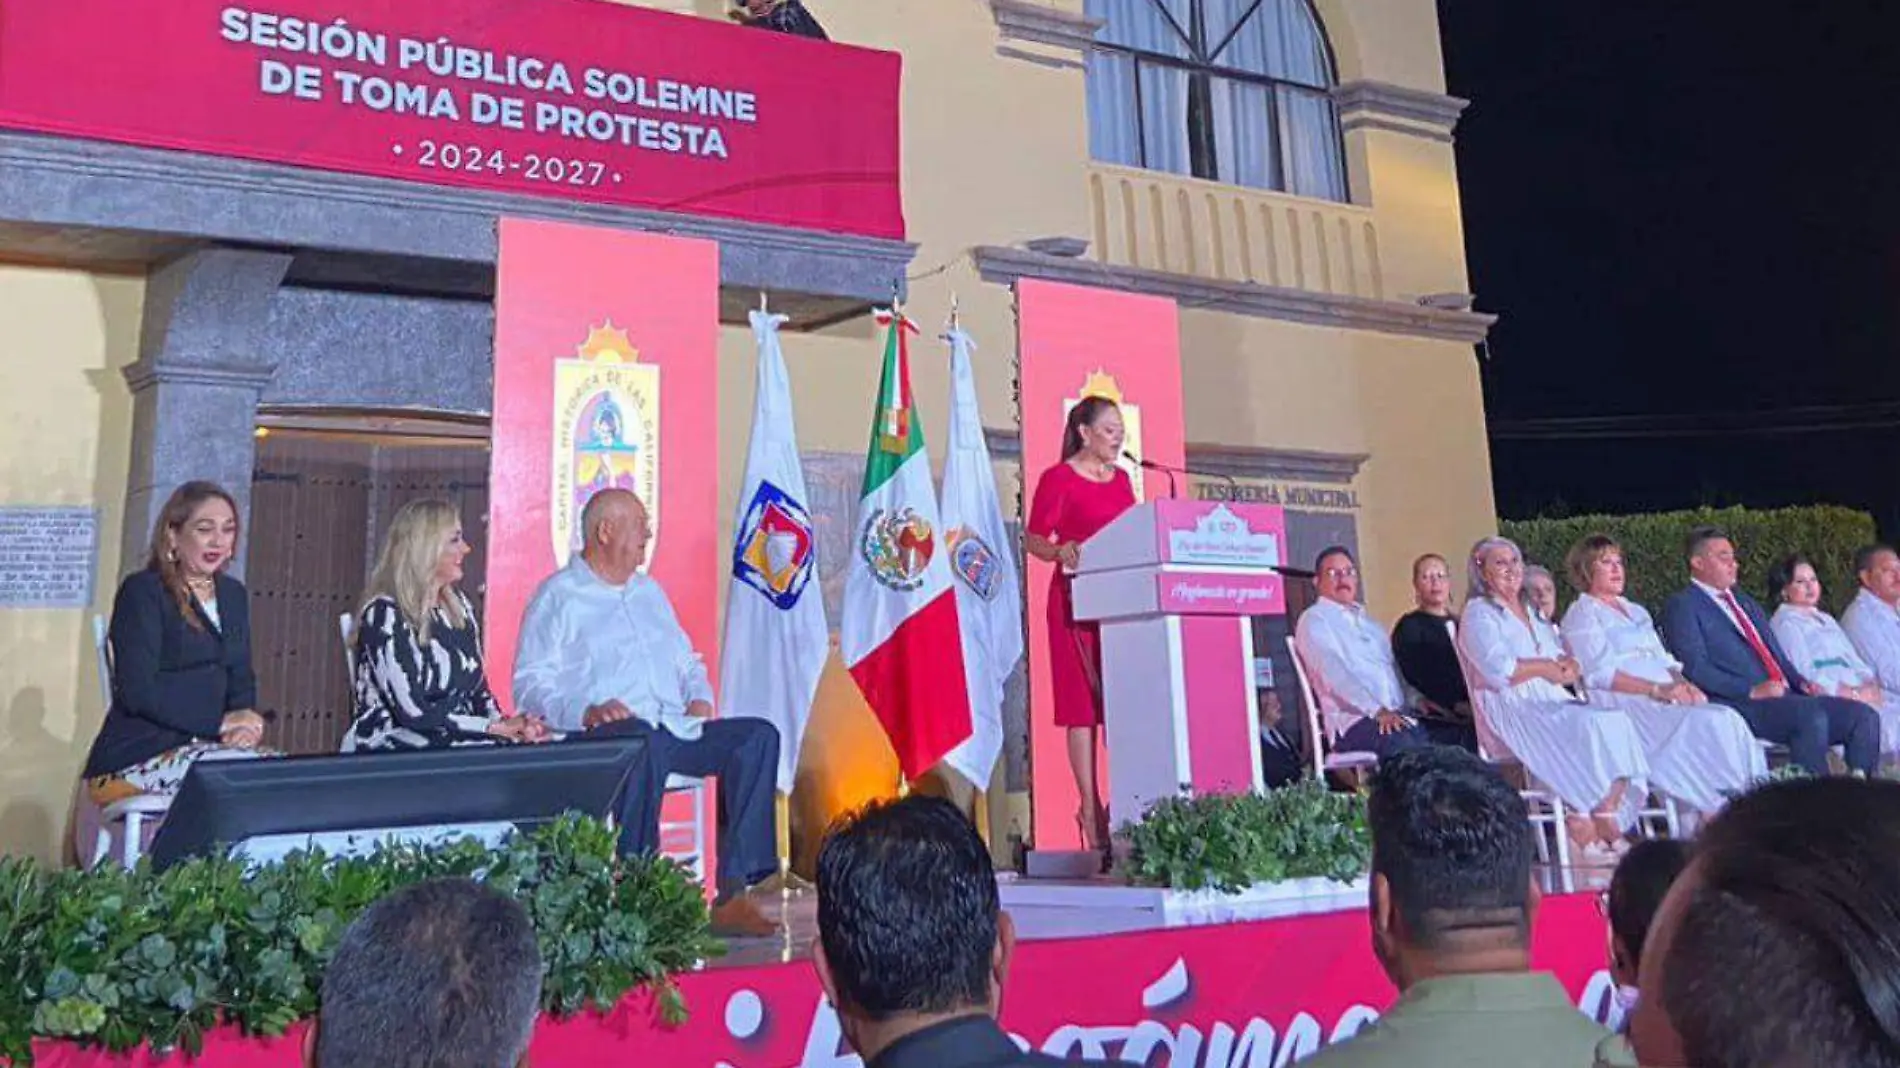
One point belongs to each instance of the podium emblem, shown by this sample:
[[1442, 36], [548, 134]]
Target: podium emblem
[[1221, 537], [897, 545], [606, 433], [773, 550], [973, 561]]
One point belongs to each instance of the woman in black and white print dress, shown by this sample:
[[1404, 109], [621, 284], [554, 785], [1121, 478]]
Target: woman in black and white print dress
[[419, 681]]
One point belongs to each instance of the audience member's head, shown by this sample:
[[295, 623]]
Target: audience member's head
[[1540, 591], [1451, 867], [1643, 878], [1337, 574], [1595, 566], [1792, 580], [1431, 584], [1496, 571], [616, 530], [443, 974], [910, 932], [1779, 946], [1711, 557], [1879, 570]]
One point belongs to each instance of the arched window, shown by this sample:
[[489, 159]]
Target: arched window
[[1234, 91]]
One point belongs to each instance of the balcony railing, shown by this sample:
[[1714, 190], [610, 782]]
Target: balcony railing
[[1166, 222]]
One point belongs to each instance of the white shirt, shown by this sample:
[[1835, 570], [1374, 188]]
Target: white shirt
[[584, 642], [1607, 642], [1494, 640], [1350, 659], [1874, 626], [1722, 599], [1819, 649]]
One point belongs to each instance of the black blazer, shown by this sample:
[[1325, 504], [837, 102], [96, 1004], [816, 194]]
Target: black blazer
[[171, 684], [1713, 652], [973, 1041]]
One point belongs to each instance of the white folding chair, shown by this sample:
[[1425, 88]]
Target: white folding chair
[[1547, 811], [346, 626], [1318, 744], [128, 815], [684, 841], [102, 654]]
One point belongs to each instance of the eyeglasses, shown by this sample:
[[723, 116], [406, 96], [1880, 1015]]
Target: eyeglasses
[[1340, 572]]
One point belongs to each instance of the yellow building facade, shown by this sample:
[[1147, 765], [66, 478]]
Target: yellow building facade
[[1327, 356]]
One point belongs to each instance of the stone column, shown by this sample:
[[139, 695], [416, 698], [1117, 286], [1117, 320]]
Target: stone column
[[204, 359]]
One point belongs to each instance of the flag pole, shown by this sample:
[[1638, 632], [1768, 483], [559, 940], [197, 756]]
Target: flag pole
[[786, 883]]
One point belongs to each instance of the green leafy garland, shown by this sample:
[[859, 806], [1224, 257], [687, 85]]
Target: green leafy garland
[[1230, 842], [120, 958]]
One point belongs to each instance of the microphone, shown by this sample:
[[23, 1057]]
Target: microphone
[[1233, 484], [1149, 465]]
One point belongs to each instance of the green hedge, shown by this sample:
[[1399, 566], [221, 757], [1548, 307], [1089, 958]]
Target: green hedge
[[120, 959], [1230, 842], [1652, 546]]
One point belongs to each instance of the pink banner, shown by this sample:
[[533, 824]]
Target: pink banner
[[606, 357], [1217, 680], [1220, 595], [1183, 998], [578, 99]]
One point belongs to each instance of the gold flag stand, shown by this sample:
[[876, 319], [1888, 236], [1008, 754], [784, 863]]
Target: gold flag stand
[[786, 883]]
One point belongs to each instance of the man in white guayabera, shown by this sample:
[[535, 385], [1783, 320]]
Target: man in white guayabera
[[1348, 656], [601, 651]]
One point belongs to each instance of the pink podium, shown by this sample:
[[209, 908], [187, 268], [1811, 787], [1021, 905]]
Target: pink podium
[[1173, 584]]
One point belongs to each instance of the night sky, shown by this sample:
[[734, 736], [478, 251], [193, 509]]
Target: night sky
[[1688, 216]]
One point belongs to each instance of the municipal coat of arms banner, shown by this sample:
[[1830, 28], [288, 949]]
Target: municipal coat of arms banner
[[606, 370], [606, 434]]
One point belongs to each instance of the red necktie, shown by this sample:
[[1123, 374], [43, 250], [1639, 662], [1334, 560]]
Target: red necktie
[[1754, 637]]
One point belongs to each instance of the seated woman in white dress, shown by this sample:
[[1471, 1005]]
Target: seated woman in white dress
[[1820, 649], [1699, 753], [1590, 757], [1540, 592]]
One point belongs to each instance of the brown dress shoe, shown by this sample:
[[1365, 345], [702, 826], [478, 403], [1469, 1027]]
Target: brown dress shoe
[[741, 917]]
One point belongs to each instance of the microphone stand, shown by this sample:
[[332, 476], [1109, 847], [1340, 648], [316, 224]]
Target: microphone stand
[[1149, 465], [1233, 484]]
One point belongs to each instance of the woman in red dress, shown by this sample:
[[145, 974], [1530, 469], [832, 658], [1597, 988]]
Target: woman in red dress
[[1074, 499]]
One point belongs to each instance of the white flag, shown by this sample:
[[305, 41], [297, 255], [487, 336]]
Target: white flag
[[989, 587], [776, 640]]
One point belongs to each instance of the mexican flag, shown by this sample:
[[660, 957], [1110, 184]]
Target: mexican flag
[[899, 633]]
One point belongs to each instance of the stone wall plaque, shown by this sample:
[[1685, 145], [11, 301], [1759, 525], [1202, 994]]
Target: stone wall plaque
[[47, 556]]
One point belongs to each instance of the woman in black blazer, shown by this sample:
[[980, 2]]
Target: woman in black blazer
[[182, 686]]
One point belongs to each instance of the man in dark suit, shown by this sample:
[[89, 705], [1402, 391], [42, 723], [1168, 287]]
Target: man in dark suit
[[912, 942], [1726, 647]]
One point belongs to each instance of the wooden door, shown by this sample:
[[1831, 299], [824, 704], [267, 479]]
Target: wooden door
[[321, 505]]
